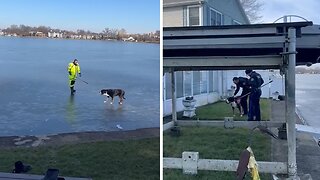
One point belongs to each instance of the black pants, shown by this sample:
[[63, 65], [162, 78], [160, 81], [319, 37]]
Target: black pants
[[244, 101], [72, 82], [254, 106]]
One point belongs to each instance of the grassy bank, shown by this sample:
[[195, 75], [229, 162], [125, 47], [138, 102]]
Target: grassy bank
[[216, 143], [131, 159]]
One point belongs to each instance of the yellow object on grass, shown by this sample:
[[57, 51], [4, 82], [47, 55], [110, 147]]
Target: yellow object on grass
[[253, 166]]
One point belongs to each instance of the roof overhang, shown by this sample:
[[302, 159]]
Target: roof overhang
[[260, 46], [184, 3]]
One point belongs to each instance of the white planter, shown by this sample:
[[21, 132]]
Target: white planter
[[189, 107], [275, 95], [189, 103]]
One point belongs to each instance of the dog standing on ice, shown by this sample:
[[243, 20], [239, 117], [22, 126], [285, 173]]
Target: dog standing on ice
[[113, 93]]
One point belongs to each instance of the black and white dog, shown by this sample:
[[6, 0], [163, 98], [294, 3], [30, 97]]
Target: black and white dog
[[113, 93], [235, 103]]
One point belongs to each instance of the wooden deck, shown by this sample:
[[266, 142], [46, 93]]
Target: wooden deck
[[13, 176]]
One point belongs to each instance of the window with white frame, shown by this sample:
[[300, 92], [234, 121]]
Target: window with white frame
[[164, 87], [193, 15], [179, 83], [168, 86], [215, 17], [210, 81], [196, 82], [188, 83], [215, 80], [204, 81]]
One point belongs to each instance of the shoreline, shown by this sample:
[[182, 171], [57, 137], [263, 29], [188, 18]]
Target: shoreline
[[78, 137], [37, 37]]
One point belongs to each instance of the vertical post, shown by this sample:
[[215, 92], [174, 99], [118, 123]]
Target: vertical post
[[190, 162], [222, 85], [173, 97], [285, 19], [291, 104], [269, 85]]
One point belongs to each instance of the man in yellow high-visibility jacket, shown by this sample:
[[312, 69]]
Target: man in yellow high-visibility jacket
[[73, 70]]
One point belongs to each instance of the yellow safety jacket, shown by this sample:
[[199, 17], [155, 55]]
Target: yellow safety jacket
[[73, 71]]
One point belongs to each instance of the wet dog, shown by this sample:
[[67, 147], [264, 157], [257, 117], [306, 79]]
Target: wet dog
[[113, 93], [235, 103]]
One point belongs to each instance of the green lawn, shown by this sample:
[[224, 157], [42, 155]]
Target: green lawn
[[213, 143], [175, 174], [132, 159], [216, 143], [219, 110]]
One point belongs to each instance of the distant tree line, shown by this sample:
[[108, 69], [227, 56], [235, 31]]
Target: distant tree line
[[106, 34], [307, 70], [24, 30]]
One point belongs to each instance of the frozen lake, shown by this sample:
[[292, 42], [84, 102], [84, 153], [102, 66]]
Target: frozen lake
[[35, 97], [307, 97]]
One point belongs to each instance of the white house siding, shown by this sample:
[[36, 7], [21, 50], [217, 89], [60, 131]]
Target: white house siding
[[276, 85], [201, 100], [220, 81]]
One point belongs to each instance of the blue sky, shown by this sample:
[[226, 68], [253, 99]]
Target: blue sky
[[136, 16], [274, 9]]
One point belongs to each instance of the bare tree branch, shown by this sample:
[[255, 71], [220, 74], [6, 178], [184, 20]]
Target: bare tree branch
[[252, 8]]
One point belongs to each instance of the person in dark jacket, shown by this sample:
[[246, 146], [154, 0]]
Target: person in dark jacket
[[255, 81], [242, 82]]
